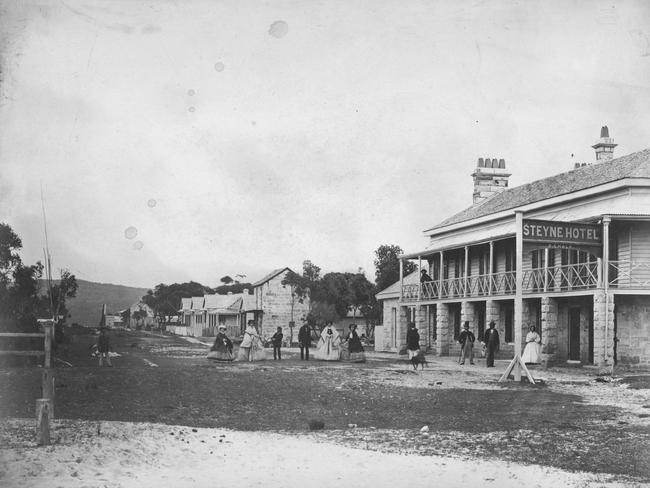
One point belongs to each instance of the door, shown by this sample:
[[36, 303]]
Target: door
[[574, 334], [480, 320], [393, 327], [433, 316]]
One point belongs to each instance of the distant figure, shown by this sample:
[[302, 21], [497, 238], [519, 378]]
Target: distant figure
[[104, 347], [466, 340], [533, 347], [355, 349], [491, 341], [424, 277], [276, 340], [222, 347], [329, 344], [251, 348], [304, 341], [412, 340]]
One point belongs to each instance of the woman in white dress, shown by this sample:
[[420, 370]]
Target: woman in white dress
[[329, 344], [251, 347], [533, 347]]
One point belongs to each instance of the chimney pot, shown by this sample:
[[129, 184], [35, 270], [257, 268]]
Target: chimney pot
[[502, 163], [495, 163], [576, 165], [488, 163], [604, 131], [480, 163]]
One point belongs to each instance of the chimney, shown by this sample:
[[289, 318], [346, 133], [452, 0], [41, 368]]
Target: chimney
[[604, 146], [490, 178]]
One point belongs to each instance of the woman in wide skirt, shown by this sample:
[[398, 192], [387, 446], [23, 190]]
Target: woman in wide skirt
[[533, 349], [222, 348], [355, 351], [329, 344]]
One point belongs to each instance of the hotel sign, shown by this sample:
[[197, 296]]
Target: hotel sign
[[561, 232]]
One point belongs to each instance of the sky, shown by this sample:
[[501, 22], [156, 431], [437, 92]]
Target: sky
[[177, 141]]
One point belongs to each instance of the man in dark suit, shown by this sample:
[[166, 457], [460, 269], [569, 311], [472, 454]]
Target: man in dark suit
[[491, 341], [304, 341], [466, 340]]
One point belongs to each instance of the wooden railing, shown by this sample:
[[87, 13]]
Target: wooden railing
[[629, 274], [555, 279]]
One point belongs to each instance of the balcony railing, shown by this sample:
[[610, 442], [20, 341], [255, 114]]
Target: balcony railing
[[555, 279], [629, 274]]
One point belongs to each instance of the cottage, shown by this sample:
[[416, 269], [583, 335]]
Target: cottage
[[274, 305], [582, 243]]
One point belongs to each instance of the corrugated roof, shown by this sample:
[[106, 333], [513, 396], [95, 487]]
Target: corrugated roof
[[249, 304], [270, 276], [186, 303], [635, 165], [393, 290]]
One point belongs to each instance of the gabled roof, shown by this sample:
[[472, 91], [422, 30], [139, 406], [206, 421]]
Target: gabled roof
[[223, 302], [393, 290], [186, 303], [635, 165], [249, 303], [270, 276], [197, 303]]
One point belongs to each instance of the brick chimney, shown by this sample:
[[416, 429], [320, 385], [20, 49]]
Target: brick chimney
[[604, 146], [490, 178]]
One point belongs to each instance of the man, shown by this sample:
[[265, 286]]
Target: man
[[424, 277], [491, 341], [304, 341], [466, 340], [412, 340], [104, 347]]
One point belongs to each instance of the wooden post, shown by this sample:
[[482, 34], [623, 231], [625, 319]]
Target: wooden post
[[606, 221], [47, 328], [440, 274], [420, 281], [401, 280], [491, 267], [48, 388], [519, 251], [545, 269], [43, 408], [466, 272]]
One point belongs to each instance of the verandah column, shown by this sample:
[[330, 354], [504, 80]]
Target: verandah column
[[603, 327], [549, 328], [442, 329], [421, 323]]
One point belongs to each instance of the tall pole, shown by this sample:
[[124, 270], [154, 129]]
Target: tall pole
[[519, 250], [401, 280], [605, 274]]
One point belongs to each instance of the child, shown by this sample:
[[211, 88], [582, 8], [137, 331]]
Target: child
[[276, 340], [103, 346]]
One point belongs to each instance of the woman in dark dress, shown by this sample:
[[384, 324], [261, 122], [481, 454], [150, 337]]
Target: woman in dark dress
[[356, 353], [412, 340], [222, 348]]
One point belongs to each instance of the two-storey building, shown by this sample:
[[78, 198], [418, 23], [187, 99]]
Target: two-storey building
[[585, 263]]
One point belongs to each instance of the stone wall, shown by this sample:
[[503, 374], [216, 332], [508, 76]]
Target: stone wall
[[275, 301], [549, 329], [633, 330], [443, 332]]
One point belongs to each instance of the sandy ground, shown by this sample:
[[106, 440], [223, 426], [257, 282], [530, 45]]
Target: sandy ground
[[118, 454]]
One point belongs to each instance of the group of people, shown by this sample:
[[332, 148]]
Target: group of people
[[330, 345], [491, 343]]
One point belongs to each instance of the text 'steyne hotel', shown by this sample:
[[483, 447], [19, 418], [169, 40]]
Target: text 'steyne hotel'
[[585, 277]]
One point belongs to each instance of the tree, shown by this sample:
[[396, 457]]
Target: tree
[[165, 300], [226, 280], [10, 244], [387, 266], [362, 292]]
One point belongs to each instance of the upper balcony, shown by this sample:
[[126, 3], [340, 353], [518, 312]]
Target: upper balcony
[[627, 275]]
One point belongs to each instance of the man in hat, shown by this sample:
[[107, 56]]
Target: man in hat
[[491, 342], [304, 341], [103, 346], [412, 340], [424, 276], [466, 340]]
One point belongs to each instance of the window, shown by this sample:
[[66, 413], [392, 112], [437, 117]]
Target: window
[[222, 320], [433, 322]]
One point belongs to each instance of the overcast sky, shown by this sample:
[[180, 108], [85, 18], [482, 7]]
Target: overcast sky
[[189, 140]]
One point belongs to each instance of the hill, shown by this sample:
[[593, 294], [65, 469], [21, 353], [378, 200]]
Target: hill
[[86, 307]]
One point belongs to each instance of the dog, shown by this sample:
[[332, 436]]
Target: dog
[[419, 358]]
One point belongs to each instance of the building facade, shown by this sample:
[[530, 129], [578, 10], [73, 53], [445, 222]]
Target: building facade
[[584, 280]]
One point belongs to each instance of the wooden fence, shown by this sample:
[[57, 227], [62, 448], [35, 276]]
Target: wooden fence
[[45, 404]]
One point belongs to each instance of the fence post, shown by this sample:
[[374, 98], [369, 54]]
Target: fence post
[[48, 388], [43, 407], [47, 328]]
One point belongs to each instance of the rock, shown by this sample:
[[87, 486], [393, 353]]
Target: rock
[[424, 429], [316, 425]]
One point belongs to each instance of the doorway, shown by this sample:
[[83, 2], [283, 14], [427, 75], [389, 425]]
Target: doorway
[[574, 334]]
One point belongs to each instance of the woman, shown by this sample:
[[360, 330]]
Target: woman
[[356, 353], [222, 348], [329, 344], [533, 347], [251, 348], [412, 340]]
